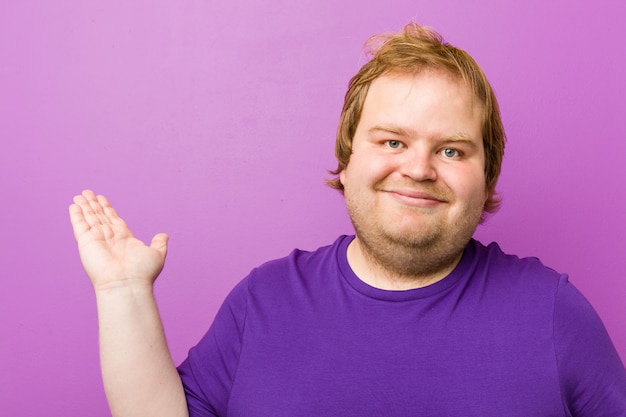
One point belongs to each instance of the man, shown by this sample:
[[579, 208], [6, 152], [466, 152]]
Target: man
[[409, 317]]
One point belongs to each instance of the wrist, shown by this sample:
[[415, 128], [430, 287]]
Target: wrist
[[126, 287]]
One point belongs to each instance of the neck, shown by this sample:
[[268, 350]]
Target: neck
[[401, 270]]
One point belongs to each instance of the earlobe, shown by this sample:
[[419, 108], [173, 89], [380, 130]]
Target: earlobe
[[342, 176]]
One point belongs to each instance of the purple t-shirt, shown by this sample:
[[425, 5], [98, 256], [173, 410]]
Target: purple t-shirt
[[500, 336]]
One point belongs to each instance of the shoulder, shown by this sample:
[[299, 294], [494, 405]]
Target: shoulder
[[530, 277], [299, 264], [525, 274], [302, 271], [521, 288], [592, 376]]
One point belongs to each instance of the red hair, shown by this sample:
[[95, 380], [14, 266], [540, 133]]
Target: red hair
[[417, 48]]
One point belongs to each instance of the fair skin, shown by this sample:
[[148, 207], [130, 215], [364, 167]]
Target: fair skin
[[414, 189], [414, 185], [139, 376]]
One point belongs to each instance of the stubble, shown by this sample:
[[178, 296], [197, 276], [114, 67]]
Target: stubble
[[424, 248]]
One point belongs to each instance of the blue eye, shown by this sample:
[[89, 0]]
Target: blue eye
[[395, 144], [450, 153]]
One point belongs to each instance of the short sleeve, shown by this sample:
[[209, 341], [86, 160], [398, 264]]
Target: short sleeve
[[593, 378], [209, 370]]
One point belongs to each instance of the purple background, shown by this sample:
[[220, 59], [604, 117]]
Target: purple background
[[214, 121]]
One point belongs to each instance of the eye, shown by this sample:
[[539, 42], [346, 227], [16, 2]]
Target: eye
[[394, 144], [450, 153]]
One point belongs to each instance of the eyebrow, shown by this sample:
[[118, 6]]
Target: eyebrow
[[389, 129], [458, 137]]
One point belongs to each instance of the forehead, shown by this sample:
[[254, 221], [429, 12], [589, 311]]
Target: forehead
[[429, 102]]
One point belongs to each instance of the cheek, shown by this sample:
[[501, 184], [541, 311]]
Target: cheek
[[481, 192], [366, 168], [469, 185]]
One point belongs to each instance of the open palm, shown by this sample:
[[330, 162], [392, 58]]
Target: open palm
[[110, 254]]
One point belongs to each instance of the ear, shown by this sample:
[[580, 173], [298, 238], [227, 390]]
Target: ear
[[342, 177]]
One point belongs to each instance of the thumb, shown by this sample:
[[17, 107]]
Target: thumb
[[159, 242]]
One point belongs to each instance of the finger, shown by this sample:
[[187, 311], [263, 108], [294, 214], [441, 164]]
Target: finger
[[102, 200], [88, 194], [80, 199], [113, 217], [77, 215], [109, 211], [83, 200], [77, 219], [159, 242], [85, 220], [94, 218], [87, 197], [88, 210], [96, 207]]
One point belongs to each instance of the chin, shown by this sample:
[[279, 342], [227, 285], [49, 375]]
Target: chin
[[415, 238]]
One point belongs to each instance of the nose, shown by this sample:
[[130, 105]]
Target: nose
[[419, 165]]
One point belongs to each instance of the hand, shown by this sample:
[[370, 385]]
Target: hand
[[111, 255]]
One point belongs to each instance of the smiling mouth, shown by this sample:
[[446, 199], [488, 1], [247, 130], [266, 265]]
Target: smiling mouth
[[415, 198]]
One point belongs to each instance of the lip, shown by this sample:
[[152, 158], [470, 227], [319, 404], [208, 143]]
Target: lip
[[415, 198]]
